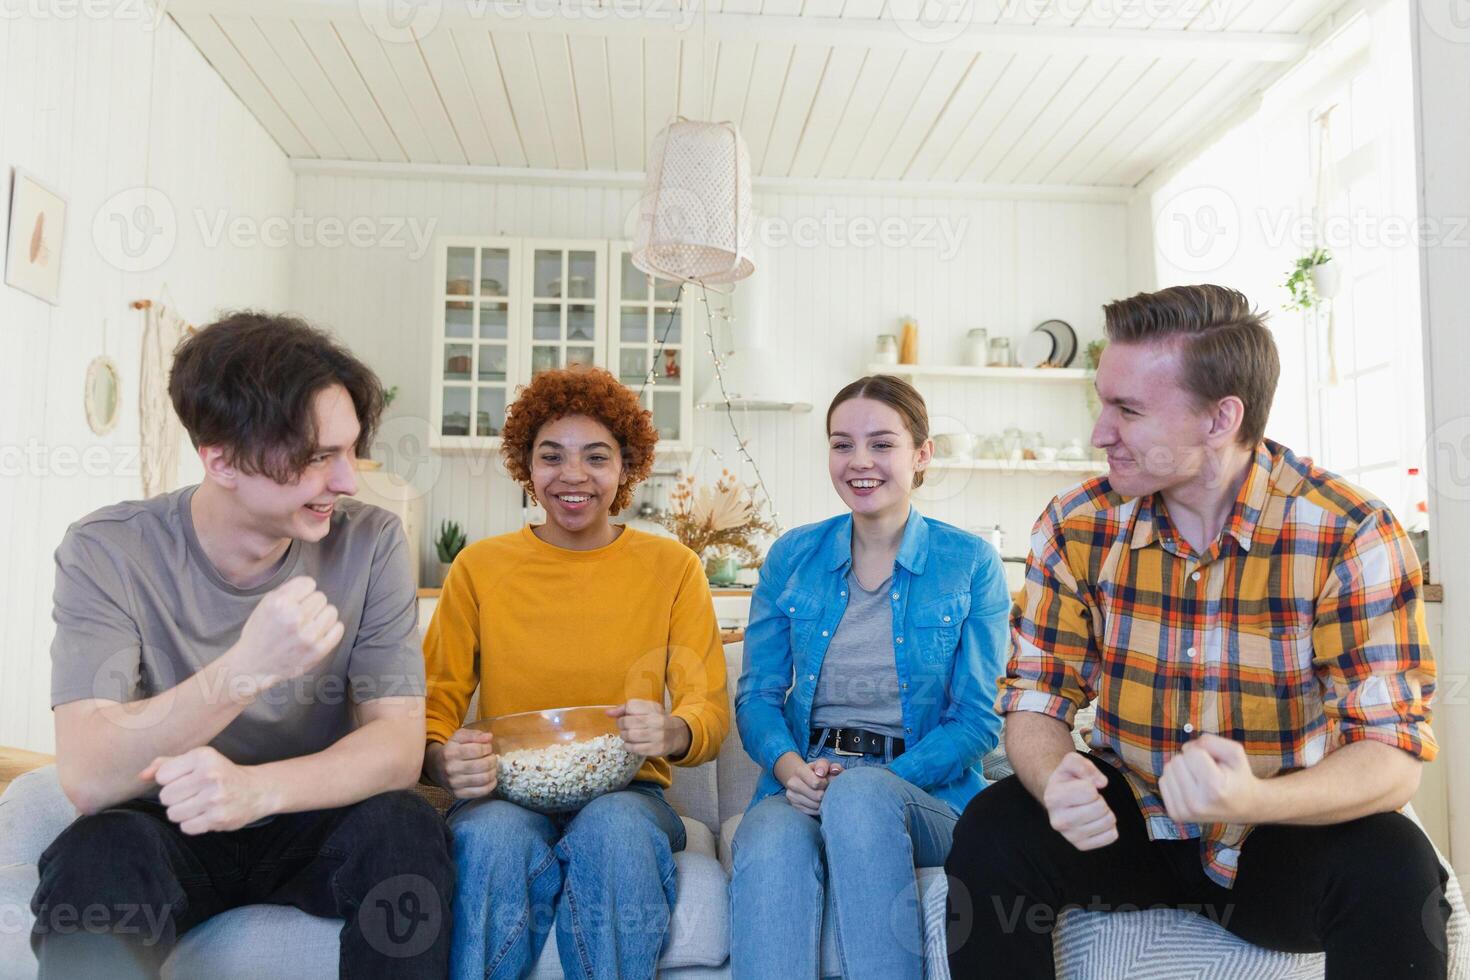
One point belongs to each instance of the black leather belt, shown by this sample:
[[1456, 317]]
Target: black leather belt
[[857, 741]]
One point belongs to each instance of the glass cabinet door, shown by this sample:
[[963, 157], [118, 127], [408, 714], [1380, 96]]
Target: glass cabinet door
[[650, 347], [479, 346], [567, 290]]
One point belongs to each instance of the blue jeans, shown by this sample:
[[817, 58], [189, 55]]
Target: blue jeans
[[857, 860], [603, 875]]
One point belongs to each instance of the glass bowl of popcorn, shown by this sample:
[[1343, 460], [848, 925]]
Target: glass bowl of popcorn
[[560, 759]]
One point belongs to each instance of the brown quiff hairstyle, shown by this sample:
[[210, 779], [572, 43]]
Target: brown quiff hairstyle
[[898, 395], [247, 383], [1224, 345], [588, 391]]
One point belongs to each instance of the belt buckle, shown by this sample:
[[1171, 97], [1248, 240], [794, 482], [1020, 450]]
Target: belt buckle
[[837, 749]]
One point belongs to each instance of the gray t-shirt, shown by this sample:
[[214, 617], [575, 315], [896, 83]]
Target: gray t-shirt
[[858, 684], [139, 608]]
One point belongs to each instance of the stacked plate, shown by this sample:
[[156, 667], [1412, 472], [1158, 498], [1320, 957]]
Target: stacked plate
[[1052, 344]]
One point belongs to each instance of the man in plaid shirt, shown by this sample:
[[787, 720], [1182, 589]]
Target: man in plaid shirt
[[1251, 631]]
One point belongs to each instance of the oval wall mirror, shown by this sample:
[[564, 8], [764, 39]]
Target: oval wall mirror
[[102, 395]]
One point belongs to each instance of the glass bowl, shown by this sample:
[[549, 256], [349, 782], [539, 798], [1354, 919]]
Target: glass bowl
[[560, 759]]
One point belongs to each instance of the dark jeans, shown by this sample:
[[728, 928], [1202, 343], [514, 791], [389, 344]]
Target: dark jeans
[[126, 883], [1369, 892]]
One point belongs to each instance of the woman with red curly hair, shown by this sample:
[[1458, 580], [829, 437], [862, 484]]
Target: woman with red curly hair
[[575, 611]]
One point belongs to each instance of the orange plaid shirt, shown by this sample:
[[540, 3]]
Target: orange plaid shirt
[[1299, 631]]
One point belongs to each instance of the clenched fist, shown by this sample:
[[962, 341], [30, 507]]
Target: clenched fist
[[1210, 781], [648, 730], [204, 791], [466, 765], [291, 630], [1074, 802]]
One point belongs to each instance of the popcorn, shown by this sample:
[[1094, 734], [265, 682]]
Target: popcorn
[[567, 775]]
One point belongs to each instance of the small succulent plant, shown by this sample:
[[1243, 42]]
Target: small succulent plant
[[451, 541]]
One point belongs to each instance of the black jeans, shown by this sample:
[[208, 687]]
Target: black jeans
[[1369, 892], [382, 866]]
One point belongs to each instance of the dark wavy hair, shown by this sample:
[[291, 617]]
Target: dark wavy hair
[[247, 381]]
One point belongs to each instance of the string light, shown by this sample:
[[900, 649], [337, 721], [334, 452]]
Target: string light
[[659, 350], [719, 364], [760, 481]]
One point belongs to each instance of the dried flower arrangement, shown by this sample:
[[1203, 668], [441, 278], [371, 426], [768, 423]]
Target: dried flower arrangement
[[717, 521]]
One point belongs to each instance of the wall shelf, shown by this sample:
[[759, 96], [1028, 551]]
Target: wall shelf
[[958, 372], [1026, 466]]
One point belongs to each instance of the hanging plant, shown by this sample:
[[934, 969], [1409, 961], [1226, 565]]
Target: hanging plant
[[1304, 283]]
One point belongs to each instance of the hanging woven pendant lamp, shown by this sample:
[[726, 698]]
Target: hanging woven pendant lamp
[[695, 221]]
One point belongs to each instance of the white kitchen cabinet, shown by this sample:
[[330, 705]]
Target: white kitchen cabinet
[[507, 309]]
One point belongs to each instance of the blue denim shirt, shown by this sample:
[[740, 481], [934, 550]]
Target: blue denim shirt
[[951, 638]]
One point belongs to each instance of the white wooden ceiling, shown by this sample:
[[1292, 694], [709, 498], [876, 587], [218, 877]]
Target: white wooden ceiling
[[1093, 93]]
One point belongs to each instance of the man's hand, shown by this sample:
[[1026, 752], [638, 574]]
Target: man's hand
[[204, 791], [648, 730], [805, 784], [291, 630], [466, 765], [1074, 802], [1210, 781]]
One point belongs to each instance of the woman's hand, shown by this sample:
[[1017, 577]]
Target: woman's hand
[[466, 765], [648, 730], [805, 784]]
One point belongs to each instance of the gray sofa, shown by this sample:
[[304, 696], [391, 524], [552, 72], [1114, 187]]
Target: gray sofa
[[267, 941]]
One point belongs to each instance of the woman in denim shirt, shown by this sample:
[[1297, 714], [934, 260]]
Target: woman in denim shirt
[[871, 658]]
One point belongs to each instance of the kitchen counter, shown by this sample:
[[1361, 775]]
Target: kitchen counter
[[734, 591], [1432, 593]]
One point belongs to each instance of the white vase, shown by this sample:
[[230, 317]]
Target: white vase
[[1326, 278]]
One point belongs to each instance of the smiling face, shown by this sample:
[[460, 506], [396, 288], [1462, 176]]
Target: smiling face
[[1155, 434], [872, 458], [576, 467], [303, 509]]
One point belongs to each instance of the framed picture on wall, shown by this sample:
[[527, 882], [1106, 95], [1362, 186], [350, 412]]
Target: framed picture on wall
[[33, 251]]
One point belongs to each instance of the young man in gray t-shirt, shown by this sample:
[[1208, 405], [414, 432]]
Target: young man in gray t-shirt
[[237, 683]]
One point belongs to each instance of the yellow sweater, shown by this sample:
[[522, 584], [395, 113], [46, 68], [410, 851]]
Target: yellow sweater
[[537, 627]]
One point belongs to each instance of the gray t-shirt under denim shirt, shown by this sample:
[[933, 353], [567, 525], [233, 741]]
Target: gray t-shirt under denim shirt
[[139, 608], [858, 684]]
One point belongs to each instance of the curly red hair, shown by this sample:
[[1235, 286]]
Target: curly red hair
[[580, 390]]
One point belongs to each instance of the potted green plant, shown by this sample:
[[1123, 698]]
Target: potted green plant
[[451, 541], [1313, 278]]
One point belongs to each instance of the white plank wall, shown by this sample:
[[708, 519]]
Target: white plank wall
[[74, 111], [1017, 263]]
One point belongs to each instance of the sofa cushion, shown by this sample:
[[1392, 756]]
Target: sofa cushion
[[33, 813], [256, 941], [698, 839], [736, 773], [693, 794], [17, 885]]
